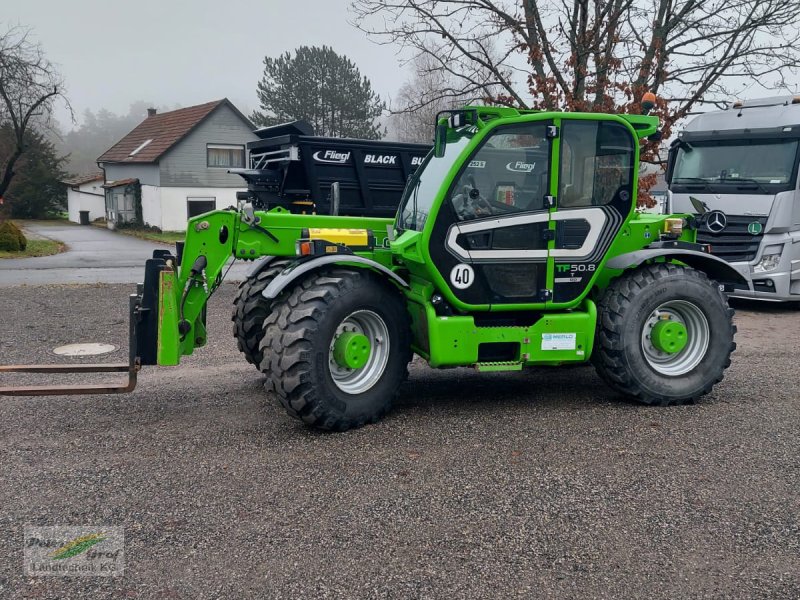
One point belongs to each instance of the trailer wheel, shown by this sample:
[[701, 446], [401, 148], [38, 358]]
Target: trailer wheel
[[250, 309], [664, 336], [336, 347]]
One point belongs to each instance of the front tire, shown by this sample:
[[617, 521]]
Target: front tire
[[665, 335], [250, 308], [336, 347]]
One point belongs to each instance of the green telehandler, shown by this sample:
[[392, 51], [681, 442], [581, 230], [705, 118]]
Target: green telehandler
[[516, 244]]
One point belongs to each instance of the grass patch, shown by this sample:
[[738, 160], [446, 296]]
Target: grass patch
[[165, 237], [36, 248]]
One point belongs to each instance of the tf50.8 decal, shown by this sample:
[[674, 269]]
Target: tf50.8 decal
[[462, 276], [573, 273]]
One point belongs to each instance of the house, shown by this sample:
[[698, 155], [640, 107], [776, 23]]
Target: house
[[85, 193], [174, 165]]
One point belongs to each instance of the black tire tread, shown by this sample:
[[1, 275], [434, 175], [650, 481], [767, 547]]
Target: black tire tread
[[250, 309], [287, 352], [608, 357]]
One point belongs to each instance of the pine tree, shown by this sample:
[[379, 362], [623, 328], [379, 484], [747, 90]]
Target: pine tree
[[37, 190], [322, 87]]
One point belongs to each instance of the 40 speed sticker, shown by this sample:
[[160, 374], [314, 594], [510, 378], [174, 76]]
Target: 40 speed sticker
[[462, 276]]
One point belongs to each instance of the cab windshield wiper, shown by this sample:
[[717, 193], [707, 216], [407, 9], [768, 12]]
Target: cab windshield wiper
[[743, 180], [414, 206], [404, 220], [691, 181], [697, 179]]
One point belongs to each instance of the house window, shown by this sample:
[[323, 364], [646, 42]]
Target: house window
[[198, 206], [225, 156]]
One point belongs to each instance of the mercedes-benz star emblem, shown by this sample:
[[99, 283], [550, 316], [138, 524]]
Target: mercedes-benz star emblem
[[716, 221]]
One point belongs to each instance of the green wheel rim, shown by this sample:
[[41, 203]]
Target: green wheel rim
[[675, 337], [359, 352], [351, 350], [669, 336]]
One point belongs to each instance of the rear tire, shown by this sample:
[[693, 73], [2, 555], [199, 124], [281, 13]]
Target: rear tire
[[250, 308], [631, 362], [302, 331]]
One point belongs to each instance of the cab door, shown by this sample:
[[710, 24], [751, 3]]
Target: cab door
[[595, 196], [491, 235]]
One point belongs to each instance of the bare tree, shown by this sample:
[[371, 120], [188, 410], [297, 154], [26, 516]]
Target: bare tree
[[429, 91], [595, 54], [29, 85]]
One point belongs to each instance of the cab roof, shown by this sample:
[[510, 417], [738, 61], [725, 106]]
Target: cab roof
[[766, 114]]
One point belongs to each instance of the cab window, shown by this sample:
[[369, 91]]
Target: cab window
[[508, 174], [596, 163]]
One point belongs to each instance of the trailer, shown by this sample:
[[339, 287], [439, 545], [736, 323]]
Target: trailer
[[291, 167]]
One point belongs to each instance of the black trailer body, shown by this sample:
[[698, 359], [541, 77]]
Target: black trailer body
[[292, 168]]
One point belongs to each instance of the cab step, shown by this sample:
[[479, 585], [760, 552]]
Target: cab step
[[487, 367]]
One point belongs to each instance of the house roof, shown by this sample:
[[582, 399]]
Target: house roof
[[163, 130], [119, 182], [85, 178]]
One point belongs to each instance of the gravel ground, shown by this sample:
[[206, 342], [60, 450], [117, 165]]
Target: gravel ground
[[533, 484]]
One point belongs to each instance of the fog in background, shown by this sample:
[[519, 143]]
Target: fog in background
[[172, 53], [119, 57]]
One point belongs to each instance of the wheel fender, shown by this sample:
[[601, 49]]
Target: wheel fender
[[711, 265], [303, 267], [259, 266]]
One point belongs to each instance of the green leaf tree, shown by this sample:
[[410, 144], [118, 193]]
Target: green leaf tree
[[37, 190], [29, 85], [322, 87]]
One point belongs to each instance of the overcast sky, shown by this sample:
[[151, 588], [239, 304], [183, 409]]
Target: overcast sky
[[186, 52]]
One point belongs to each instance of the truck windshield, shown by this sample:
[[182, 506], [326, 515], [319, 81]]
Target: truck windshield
[[753, 166], [425, 183]]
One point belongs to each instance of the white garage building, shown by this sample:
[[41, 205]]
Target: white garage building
[[86, 193], [174, 165]]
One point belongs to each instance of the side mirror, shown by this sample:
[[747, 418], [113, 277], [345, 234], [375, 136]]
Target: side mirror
[[700, 207], [440, 140], [335, 197]]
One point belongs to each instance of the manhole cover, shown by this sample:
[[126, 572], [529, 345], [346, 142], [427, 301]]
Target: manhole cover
[[88, 349]]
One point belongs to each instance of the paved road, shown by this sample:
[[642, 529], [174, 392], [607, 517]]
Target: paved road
[[539, 484], [94, 255]]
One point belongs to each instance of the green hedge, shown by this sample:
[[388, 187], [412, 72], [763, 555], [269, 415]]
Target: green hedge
[[11, 237]]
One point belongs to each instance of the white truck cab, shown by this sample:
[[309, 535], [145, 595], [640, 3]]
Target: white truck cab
[[742, 163]]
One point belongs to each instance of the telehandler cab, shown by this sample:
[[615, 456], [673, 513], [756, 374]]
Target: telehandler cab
[[516, 244]]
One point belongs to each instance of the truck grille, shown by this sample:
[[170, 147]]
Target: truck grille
[[734, 243]]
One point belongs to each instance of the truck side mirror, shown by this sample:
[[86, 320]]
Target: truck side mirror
[[700, 207], [440, 140]]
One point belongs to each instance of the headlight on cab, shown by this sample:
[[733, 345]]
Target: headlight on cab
[[769, 259]]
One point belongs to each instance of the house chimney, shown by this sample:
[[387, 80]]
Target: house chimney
[[151, 112]]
